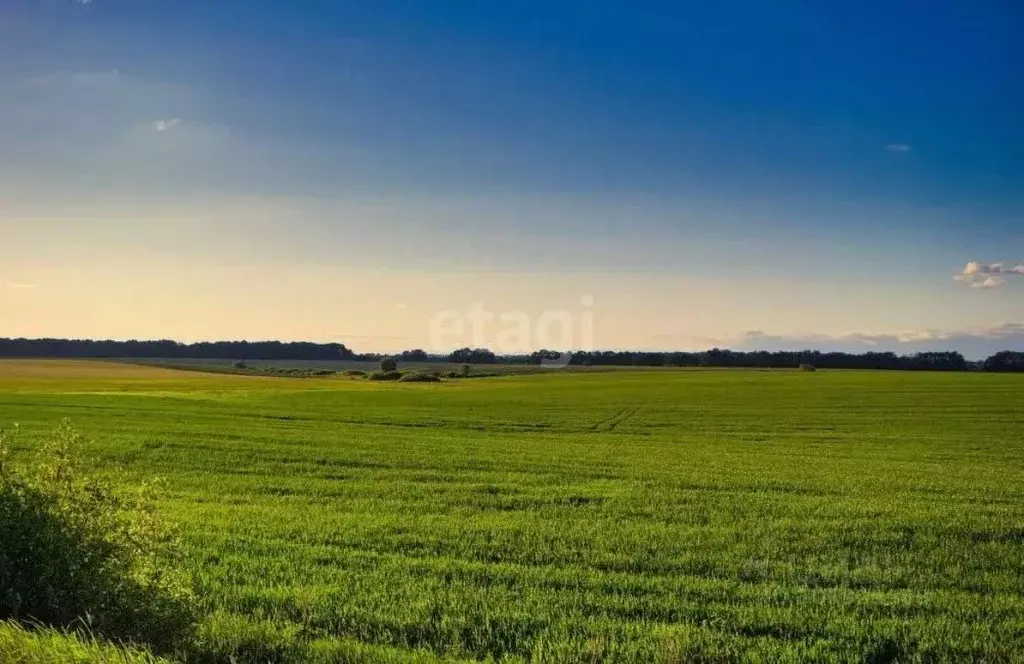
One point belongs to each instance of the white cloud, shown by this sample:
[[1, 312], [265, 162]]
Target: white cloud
[[164, 125], [987, 275], [14, 285], [898, 147]]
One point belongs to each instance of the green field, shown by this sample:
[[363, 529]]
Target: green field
[[227, 365], [674, 515]]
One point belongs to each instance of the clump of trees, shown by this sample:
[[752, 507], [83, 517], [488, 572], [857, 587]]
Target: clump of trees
[[472, 356], [1005, 361], [385, 375]]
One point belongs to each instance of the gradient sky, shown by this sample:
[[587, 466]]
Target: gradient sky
[[750, 174]]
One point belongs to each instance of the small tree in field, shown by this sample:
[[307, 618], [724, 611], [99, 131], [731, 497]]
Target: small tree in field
[[388, 364], [466, 368]]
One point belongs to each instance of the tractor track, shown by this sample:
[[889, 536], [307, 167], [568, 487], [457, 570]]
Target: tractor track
[[611, 423]]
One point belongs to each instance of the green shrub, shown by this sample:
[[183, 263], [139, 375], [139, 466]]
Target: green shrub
[[419, 377], [388, 365], [357, 373], [385, 375], [807, 367], [75, 552]]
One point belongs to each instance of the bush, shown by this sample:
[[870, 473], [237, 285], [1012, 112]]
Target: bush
[[420, 377], [74, 552], [385, 375], [241, 365], [466, 368], [355, 372], [807, 367], [388, 365]]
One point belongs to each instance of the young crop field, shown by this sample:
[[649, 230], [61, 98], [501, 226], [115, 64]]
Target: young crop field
[[207, 364], [626, 516]]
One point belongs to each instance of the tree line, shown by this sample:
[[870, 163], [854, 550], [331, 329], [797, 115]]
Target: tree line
[[717, 357], [237, 350], [1004, 361]]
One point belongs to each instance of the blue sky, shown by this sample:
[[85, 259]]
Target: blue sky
[[735, 173]]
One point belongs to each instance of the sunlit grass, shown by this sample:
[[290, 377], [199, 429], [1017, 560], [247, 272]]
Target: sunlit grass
[[40, 645], [627, 516]]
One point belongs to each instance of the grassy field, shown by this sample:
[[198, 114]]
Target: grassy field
[[19, 645], [674, 515], [209, 364]]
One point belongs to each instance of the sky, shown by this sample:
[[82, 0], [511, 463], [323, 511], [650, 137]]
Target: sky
[[743, 174]]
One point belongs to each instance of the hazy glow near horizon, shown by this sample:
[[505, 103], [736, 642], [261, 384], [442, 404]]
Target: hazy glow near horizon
[[188, 171]]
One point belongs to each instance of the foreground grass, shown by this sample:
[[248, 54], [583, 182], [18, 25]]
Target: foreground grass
[[19, 645], [627, 516]]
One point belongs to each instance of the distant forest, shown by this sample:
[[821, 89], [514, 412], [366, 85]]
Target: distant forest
[[219, 350], [1004, 361]]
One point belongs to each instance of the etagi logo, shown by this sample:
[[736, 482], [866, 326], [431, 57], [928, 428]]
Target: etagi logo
[[516, 332]]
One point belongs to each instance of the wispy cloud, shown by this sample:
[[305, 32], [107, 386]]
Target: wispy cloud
[[86, 79], [987, 275], [116, 122], [101, 99], [15, 285], [899, 147], [989, 282], [164, 125]]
